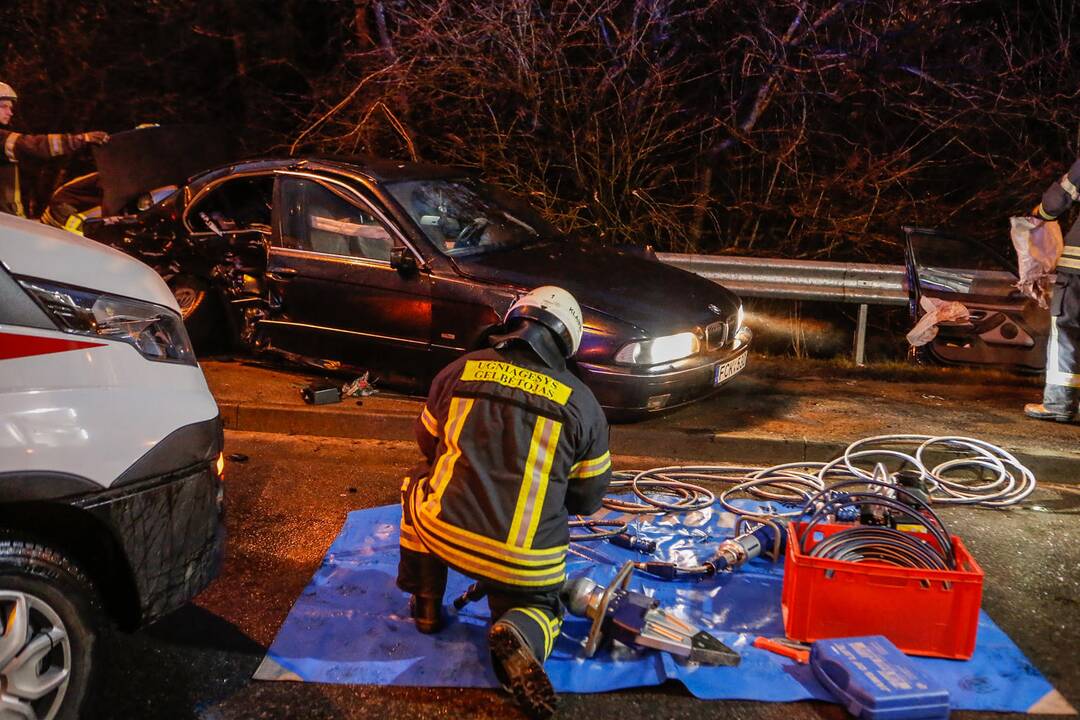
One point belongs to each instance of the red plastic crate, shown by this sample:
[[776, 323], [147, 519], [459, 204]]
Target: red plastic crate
[[923, 612]]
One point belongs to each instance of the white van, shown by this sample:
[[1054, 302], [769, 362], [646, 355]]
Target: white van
[[110, 461]]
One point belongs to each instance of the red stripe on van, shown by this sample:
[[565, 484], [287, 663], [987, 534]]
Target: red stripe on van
[[18, 346]]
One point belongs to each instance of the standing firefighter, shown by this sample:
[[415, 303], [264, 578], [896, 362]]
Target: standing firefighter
[[513, 442], [18, 147], [1063, 351]]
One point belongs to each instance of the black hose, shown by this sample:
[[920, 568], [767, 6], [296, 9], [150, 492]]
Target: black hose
[[861, 493], [867, 543]]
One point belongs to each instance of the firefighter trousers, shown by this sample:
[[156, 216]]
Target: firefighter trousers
[[536, 615], [1063, 351]]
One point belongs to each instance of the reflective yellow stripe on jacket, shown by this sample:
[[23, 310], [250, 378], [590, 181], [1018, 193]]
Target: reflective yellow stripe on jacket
[[75, 222], [477, 561], [591, 468], [9, 146], [444, 466], [511, 561], [1070, 257], [534, 483], [429, 422]]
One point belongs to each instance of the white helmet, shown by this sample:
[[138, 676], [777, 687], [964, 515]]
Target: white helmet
[[7, 92], [555, 309]]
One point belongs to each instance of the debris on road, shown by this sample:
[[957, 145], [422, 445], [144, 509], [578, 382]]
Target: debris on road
[[362, 386], [321, 393]]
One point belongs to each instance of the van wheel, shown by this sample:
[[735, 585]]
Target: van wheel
[[201, 311], [51, 620]]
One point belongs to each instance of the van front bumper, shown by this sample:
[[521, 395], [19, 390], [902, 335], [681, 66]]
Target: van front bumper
[[170, 525]]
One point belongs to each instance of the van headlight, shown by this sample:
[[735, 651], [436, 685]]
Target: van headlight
[[659, 350], [157, 332]]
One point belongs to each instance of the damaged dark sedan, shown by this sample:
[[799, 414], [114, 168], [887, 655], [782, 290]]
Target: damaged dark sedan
[[399, 268]]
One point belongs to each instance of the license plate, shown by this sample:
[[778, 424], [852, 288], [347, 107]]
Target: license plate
[[726, 370]]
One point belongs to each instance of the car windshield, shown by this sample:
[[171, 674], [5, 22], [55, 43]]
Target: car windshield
[[463, 217]]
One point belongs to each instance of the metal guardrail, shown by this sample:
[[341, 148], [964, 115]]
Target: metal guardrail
[[798, 279], [814, 280]]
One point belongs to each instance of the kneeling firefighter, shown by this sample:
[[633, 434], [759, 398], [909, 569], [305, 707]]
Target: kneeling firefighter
[[513, 442]]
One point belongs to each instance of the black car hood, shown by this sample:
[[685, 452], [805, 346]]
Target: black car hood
[[657, 298], [140, 160]]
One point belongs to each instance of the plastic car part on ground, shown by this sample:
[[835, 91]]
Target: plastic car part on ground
[[937, 312], [362, 386], [325, 392], [1038, 246]]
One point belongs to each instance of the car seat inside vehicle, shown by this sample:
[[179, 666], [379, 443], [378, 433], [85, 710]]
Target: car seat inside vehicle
[[336, 226]]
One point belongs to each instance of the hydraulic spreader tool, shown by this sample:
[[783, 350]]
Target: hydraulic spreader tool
[[636, 620]]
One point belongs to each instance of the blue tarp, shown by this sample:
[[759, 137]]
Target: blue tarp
[[351, 625]]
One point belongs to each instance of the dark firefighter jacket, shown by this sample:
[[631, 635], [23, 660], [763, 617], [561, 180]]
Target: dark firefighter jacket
[[510, 447], [73, 202], [17, 148], [1055, 202]]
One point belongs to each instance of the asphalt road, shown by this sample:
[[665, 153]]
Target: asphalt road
[[287, 502]]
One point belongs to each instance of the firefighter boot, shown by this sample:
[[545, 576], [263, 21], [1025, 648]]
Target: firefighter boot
[[1059, 403], [426, 613], [520, 672]]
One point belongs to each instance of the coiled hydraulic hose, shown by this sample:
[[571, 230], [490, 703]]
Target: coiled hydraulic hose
[[677, 488], [869, 542], [661, 490], [1014, 481], [826, 490]]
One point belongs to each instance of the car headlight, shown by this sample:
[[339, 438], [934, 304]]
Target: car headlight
[[157, 332], [659, 350]]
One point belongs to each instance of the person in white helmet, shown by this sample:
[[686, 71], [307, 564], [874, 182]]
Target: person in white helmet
[[18, 147], [513, 443]]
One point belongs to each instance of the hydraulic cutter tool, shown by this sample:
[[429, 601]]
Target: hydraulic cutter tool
[[637, 620]]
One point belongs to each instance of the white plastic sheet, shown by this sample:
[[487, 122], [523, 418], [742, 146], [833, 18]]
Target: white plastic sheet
[[937, 311], [1038, 246]]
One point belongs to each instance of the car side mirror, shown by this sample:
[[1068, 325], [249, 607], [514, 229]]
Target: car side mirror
[[402, 260]]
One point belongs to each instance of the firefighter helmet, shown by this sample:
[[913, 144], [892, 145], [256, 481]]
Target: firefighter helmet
[[555, 309], [7, 92]]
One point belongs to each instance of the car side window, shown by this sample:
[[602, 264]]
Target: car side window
[[960, 266], [317, 219], [233, 206]]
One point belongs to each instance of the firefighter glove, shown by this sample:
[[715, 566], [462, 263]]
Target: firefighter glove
[[95, 137]]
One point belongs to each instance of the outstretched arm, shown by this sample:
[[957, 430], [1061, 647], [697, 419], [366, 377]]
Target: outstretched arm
[[18, 147]]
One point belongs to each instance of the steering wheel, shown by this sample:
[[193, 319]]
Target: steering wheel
[[470, 234]]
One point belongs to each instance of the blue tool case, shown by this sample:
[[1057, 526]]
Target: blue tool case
[[872, 679]]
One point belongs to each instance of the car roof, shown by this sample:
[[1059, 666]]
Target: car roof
[[377, 170], [385, 170]]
